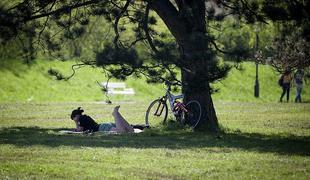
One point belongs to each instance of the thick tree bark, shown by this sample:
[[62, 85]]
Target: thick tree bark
[[188, 26], [194, 83]]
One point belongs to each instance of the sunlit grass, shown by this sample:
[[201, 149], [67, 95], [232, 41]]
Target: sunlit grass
[[260, 141]]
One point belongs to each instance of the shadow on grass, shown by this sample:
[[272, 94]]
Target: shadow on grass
[[29, 136]]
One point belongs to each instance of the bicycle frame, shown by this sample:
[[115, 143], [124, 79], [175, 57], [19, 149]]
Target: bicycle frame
[[172, 98], [179, 109]]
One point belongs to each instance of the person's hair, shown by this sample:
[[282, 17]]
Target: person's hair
[[77, 111], [287, 72]]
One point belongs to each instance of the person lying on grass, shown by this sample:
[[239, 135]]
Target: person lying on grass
[[85, 123]]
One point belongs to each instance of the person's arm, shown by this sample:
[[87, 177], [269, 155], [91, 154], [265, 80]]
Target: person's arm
[[78, 127]]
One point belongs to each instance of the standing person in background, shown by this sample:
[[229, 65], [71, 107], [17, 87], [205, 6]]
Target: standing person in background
[[286, 85], [298, 78]]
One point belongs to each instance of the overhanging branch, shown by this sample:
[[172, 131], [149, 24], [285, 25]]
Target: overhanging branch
[[218, 49], [170, 16], [66, 8], [146, 29], [116, 38]]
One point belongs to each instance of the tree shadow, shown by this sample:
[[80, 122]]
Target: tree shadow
[[226, 142], [306, 102]]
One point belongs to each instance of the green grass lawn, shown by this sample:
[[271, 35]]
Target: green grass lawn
[[261, 140]]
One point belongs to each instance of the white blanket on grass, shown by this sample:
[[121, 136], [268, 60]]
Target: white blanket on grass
[[105, 132]]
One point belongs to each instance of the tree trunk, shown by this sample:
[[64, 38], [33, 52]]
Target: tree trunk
[[195, 85], [208, 117], [188, 25]]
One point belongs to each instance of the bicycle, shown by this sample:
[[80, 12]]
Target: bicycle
[[189, 113]]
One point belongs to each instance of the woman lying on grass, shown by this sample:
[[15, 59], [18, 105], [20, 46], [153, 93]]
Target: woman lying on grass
[[85, 123]]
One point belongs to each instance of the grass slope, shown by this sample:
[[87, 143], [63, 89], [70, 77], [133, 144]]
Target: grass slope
[[22, 83]]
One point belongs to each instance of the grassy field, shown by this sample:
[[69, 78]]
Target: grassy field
[[260, 141]]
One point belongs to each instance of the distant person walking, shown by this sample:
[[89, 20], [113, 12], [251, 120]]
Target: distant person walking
[[298, 79], [286, 85]]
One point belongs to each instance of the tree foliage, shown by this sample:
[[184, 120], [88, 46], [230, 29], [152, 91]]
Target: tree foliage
[[289, 48], [40, 21], [290, 53]]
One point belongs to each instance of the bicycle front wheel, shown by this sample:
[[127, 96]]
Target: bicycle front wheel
[[156, 113], [193, 113]]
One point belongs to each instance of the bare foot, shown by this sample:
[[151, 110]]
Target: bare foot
[[116, 108]]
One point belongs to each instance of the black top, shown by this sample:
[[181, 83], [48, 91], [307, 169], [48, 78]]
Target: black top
[[88, 123]]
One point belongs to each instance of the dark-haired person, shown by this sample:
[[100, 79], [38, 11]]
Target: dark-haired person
[[86, 123], [287, 78]]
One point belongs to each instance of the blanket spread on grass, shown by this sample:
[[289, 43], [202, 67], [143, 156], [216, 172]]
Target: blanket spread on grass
[[105, 132]]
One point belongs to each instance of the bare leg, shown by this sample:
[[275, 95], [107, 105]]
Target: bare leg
[[121, 124]]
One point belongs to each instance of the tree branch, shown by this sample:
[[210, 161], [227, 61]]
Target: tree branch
[[246, 7], [61, 10], [123, 10], [218, 49], [258, 17], [45, 23], [168, 13], [146, 29], [179, 3]]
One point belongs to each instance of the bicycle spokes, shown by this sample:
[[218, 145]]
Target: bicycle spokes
[[157, 112]]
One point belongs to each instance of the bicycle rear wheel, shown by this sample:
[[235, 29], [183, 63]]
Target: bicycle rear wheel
[[193, 113], [156, 113]]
